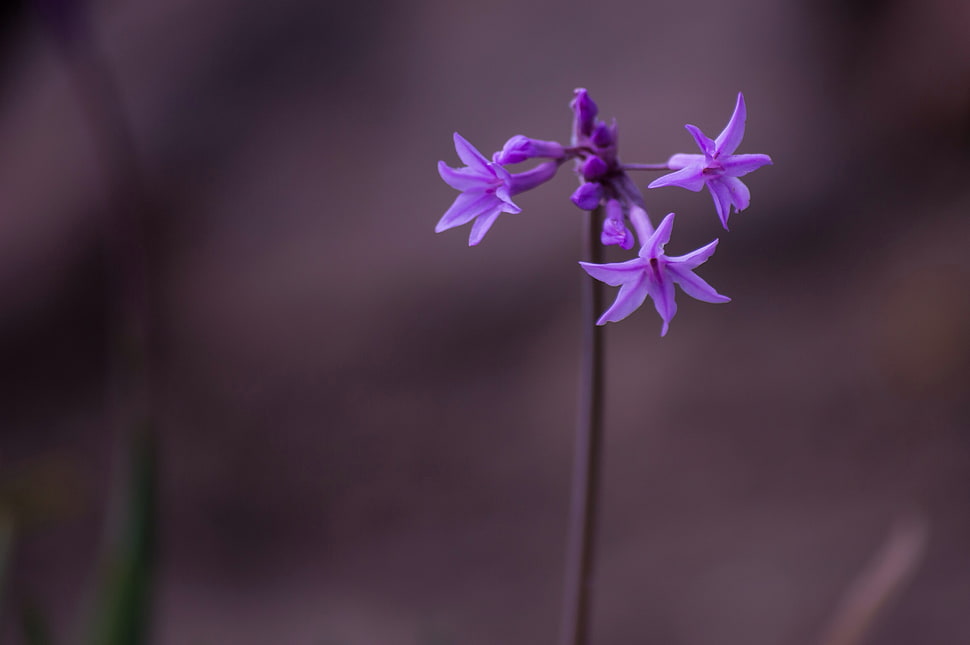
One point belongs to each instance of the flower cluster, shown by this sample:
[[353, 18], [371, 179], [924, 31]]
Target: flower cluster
[[487, 188]]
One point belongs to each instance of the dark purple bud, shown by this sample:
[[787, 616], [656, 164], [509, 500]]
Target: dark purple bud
[[594, 168], [603, 136], [587, 196], [521, 148], [585, 112]]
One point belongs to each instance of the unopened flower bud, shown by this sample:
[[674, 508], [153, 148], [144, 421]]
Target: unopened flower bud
[[603, 136], [587, 196], [585, 112], [594, 168], [614, 230], [521, 148]]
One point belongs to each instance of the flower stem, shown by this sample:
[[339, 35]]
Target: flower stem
[[645, 166], [124, 595], [586, 465]]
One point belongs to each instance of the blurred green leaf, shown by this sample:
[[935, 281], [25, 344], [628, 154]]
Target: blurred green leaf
[[123, 601], [6, 546], [34, 625]]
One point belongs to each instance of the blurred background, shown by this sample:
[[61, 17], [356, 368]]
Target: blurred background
[[365, 430]]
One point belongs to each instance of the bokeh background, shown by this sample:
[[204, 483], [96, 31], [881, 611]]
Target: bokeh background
[[365, 429]]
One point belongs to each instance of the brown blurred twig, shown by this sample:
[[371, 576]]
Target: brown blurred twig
[[878, 584]]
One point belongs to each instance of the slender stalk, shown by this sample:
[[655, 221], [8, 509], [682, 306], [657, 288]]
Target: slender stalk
[[124, 595], [645, 166], [586, 465]]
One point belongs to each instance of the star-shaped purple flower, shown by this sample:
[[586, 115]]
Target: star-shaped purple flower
[[486, 189], [654, 274], [718, 168]]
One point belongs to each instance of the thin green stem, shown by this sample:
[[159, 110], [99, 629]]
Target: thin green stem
[[124, 597], [579, 576]]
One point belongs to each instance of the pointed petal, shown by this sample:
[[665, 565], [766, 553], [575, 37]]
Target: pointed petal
[[616, 273], [694, 259], [508, 206], [691, 178], [465, 208], [722, 200], [462, 178], [740, 195], [703, 141], [655, 244], [730, 138], [481, 226], [681, 160], [662, 293], [503, 194], [470, 155], [693, 285], [740, 165], [631, 296]]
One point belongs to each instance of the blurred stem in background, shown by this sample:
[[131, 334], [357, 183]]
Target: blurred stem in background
[[874, 589], [580, 549], [6, 544], [123, 597]]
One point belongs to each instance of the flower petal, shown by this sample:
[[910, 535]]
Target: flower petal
[[481, 226], [722, 199], [694, 259], [691, 178], [615, 273], [681, 160], [706, 145], [466, 207], [662, 292], [740, 165], [740, 195], [631, 296], [470, 155], [463, 178], [693, 285], [654, 246], [730, 138]]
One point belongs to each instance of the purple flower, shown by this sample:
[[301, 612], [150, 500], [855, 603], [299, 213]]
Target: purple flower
[[487, 189], [614, 230], [654, 274], [718, 168]]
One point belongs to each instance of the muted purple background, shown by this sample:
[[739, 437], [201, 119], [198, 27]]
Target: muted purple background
[[367, 428]]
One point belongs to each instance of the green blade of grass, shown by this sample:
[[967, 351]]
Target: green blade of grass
[[6, 546], [123, 601]]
